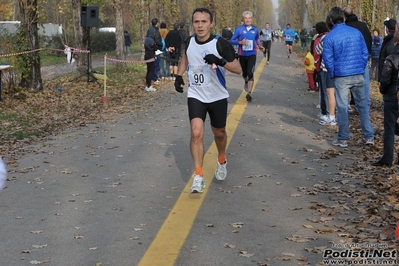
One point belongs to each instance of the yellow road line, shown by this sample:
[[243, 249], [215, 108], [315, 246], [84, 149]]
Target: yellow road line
[[166, 246]]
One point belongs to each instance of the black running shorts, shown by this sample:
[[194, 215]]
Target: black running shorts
[[217, 111]]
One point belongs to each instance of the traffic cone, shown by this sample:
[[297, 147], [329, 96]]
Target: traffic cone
[[397, 230]]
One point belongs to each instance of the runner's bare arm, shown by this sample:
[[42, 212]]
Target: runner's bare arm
[[182, 65], [233, 67]]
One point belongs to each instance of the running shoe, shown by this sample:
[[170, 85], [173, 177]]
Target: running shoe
[[221, 171], [246, 86], [324, 117], [370, 141], [341, 143], [249, 97], [151, 88], [267, 62], [198, 184], [328, 121]]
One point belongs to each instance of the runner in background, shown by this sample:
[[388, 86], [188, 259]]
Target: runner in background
[[289, 37], [267, 36], [247, 38]]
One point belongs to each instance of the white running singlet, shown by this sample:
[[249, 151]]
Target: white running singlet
[[205, 84]]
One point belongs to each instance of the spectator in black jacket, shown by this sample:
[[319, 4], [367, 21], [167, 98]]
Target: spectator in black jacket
[[388, 83], [352, 21], [184, 36], [149, 56], [173, 43], [154, 33], [128, 42], [387, 44]]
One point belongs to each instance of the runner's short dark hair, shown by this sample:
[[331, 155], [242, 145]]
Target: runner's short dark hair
[[203, 10]]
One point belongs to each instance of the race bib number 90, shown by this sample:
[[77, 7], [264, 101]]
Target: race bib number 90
[[199, 75]]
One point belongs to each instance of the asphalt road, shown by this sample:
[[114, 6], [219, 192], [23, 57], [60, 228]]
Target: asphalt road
[[99, 195]]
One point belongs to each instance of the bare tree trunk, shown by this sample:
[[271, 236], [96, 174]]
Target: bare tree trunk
[[119, 30], [373, 14], [80, 36], [143, 23], [31, 76]]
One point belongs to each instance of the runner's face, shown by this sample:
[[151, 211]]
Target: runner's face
[[248, 20], [202, 25], [267, 25]]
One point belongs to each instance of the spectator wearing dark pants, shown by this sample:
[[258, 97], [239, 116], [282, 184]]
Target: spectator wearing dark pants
[[388, 83]]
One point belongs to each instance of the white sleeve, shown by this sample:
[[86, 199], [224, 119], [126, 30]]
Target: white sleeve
[[3, 174]]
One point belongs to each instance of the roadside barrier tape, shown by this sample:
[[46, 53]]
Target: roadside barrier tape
[[21, 53], [131, 61], [75, 50]]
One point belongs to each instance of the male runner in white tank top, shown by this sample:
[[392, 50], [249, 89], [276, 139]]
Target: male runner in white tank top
[[206, 59]]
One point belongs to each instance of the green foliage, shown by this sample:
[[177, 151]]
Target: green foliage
[[102, 41], [121, 77], [364, 9], [21, 63], [11, 131]]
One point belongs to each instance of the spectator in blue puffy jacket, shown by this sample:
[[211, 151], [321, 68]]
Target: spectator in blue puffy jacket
[[375, 53], [345, 56]]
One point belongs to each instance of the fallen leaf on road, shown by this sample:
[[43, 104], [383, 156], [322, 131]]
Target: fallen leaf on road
[[39, 246], [317, 250], [245, 254], [324, 231], [324, 219], [227, 245], [38, 262], [237, 225], [78, 236]]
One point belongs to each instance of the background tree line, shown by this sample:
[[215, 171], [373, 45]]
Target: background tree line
[[135, 16], [372, 12]]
